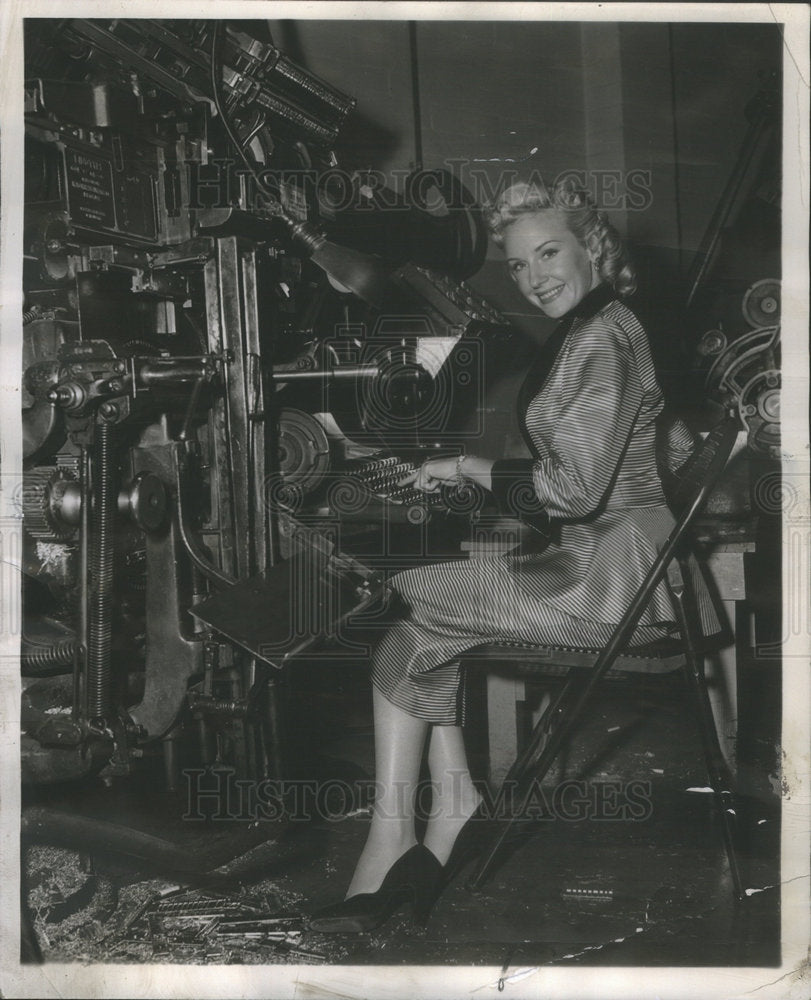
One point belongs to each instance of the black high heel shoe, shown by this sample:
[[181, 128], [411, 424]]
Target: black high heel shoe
[[471, 841], [411, 879]]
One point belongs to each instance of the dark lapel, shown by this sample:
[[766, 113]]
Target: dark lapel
[[588, 306]]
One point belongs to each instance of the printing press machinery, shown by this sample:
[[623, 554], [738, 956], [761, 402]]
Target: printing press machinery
[[233, 353]]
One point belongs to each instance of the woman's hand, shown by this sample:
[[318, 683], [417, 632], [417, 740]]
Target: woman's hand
[[436, 472], [432, 474]]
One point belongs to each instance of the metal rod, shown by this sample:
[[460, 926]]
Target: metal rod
[[190, 410], [80, 661], [415, 94], [709, 244], [349, 372], [273, 552], [205, 567], [687, 616], [99, 676], [275, 717]]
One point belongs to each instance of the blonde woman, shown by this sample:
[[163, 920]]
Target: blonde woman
[[591, 426]]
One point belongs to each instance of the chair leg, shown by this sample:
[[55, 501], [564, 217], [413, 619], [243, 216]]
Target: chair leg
[[542, 731], [537, 758], [688, 621]]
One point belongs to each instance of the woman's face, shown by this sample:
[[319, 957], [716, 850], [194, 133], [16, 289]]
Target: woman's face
[[546, 261]]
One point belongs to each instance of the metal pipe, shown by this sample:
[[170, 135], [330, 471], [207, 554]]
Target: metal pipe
[[173, 370], [171, 758], [42, 825]]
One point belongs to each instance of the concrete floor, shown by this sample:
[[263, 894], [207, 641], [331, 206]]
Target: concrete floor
[[647, 891]]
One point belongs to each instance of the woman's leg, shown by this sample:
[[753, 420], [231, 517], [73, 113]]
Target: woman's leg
[[399, 742], [456, 797]]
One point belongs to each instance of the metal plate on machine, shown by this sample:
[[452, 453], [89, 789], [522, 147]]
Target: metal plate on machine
[[136, 203], [99, 198], [293, 607], [90, 189]]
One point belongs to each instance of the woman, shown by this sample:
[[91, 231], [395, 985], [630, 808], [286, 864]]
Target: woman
[[591, 428]]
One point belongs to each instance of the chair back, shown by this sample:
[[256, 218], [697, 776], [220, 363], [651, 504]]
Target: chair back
[[695, 480]]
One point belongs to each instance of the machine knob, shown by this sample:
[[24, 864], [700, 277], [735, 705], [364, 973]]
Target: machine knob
[[71, 396], [145, 501], [769, 405]]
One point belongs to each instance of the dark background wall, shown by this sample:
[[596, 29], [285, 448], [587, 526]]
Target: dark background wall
[[664, 100]]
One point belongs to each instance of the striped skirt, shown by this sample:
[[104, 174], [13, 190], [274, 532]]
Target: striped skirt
[[455, 607]]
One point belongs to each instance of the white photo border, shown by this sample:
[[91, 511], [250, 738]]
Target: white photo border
[[793, 978]]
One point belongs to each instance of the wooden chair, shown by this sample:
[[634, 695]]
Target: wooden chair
[[583, 670]]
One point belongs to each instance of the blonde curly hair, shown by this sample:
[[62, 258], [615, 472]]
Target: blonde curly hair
[[589, 226]]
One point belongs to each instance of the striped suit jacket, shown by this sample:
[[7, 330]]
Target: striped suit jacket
[[593, 430]]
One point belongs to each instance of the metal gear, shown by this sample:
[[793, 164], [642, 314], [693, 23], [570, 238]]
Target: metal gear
[[50, 503]]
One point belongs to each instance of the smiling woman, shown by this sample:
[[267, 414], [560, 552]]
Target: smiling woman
[[551, 268], [558, 246], [590, 423]]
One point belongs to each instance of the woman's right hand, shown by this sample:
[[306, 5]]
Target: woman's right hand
[[437, 472], [432, 474]]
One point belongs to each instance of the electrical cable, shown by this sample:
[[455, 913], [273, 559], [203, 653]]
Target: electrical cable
[[255, 130], [216, 39]]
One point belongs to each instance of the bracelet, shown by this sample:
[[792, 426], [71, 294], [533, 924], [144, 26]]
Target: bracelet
[[460, 479]]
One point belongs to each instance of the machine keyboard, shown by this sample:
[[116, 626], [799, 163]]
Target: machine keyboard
[[382, 478]]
